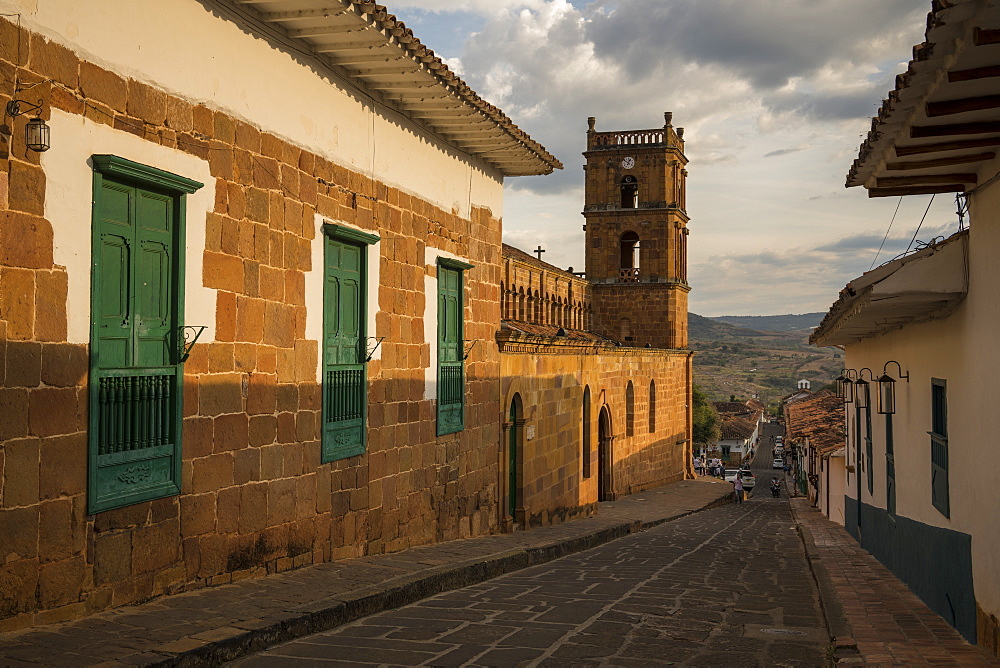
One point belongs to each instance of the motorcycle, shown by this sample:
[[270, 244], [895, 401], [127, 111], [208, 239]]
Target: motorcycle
[[775, 489]]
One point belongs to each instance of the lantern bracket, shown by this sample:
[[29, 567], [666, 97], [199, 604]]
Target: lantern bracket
[[14, 108], [187, 337], [902, 376]]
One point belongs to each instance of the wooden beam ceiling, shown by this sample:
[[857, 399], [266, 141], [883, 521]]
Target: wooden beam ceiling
[[957, 145], [974, 73], [978, 128], [984, 36], [923, 179], [922, 190], [947, 107], [327, 12], [941, 162]]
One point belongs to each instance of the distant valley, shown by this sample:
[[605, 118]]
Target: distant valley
[[763, 355]]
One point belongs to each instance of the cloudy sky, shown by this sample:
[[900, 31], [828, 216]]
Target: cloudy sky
[[775, 97]]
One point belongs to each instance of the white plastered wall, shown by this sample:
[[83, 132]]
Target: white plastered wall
[[68, 201], [962, 350], [204, 58]]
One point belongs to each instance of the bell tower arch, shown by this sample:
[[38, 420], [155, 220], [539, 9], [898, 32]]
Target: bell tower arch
[[636, 233]]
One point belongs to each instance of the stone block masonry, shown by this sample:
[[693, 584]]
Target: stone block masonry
[[255, 498]]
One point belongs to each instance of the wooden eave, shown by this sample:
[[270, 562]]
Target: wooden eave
[[924, 285], [381, 56], [944, 111]]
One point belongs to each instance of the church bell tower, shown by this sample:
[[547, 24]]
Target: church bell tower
[[636, 234]]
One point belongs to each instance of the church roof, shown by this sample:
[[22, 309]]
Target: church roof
[[551, 330], [521, 256]]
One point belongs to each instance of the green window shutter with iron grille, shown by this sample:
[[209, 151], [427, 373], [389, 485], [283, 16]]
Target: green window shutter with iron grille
[[345, 385], [451, 362], [137, 302]]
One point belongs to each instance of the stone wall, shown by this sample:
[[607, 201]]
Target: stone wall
[[255, 498], [540, 293], [550, 377], [656, 314]]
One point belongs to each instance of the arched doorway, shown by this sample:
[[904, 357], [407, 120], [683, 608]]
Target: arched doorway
[[605, 491], [514, 431]]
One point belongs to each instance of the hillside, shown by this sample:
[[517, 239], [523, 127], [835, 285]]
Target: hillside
[[736, 360], [773, 323]]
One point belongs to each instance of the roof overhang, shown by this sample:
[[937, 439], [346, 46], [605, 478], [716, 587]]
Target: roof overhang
[[381, 56], [940, 127], [921, 286]]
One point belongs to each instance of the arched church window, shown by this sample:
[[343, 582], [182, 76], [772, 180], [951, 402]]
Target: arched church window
[[630, 192], [629, 245], [585, 453], [652, 406], [629, 409]]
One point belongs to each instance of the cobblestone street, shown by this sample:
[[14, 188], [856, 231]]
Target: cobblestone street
[[725, 587]]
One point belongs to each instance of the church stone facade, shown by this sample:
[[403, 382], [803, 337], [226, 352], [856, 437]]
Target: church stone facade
[[595, 374], [636, 243]]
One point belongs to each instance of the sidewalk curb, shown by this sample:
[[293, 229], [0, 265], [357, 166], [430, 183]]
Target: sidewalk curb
[[833, 611], [231, 642]]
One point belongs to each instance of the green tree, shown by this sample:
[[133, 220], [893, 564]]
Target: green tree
[[706, 420]]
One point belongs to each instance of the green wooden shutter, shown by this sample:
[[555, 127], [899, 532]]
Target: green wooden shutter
[[940, 491], [451, 366], [136, 310], [345, 386]]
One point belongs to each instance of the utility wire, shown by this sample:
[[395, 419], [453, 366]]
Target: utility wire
[[886, 233], [921, 223]]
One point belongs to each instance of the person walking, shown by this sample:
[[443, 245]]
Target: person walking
[[738, 488]]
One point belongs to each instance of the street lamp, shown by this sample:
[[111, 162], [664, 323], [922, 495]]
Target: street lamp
[[887, 388], [845, 385], [862, 388]]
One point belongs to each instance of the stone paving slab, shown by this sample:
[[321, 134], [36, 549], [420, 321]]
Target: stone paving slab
[[208, 626], [730, 586], [898, 630]]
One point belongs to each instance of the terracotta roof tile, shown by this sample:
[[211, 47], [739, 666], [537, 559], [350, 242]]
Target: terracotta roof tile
[[733, 407], [736, 427], [820, 419], [550, 330]]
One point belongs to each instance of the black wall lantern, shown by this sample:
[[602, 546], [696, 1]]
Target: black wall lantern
[[887, 388], [845, 385], [36, 132], [862, 388]]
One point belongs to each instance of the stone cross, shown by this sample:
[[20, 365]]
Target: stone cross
[[538, 251]]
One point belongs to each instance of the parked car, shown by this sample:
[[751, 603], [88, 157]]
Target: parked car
[[778, 450], [749, 479], [779, 439], [778, 463]]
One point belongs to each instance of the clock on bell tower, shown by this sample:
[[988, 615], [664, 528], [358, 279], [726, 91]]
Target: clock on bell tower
[[636, 234]]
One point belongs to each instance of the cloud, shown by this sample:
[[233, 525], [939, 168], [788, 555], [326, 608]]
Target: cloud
[[785, 151], [728, 283], [784, 79], [727, 68]]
